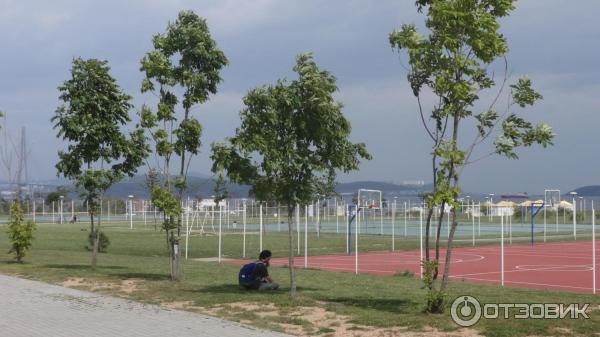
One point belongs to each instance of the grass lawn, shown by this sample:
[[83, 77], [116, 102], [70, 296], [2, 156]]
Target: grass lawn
[[137, 267]]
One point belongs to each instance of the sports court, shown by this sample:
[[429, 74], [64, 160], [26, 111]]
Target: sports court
[[563, 266]]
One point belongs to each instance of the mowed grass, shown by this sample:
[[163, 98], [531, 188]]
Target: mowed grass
[[58, 254]]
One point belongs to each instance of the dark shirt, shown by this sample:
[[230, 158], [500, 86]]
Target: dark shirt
[[261, 270]]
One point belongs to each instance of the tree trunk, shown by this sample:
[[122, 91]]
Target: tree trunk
[[175, 253], [291, 251], [95, 236], [430, 208], [92, 222], [437, 240], [453, 181], [444, 284], [427, 226]]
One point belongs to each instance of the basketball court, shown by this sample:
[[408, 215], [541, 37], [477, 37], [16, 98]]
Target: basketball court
[[563, 266]]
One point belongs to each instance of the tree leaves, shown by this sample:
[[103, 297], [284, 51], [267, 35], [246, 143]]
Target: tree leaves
[[94, 109], [188, 136], [523, 94], [182, 68], [187, 56], [20, 233], [292, 138]]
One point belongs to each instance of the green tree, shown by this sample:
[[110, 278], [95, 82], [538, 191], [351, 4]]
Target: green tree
[[55, 195], [452, 62], [90, 119], [292, 140], [220, 188], [186, 61], [20, 233]]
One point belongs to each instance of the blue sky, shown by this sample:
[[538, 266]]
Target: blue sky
[[554, 42]]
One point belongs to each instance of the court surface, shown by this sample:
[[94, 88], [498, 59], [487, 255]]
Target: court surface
[[564, 266]]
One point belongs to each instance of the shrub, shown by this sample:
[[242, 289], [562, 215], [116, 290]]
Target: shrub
[[436, 299], [103, 242], [20, 234]]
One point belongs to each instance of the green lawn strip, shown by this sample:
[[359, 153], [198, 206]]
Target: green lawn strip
[[376, 301]]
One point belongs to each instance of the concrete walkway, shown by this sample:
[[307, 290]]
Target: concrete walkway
[[30, 308]]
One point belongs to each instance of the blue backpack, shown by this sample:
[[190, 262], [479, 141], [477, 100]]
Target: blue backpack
[[247, 275]]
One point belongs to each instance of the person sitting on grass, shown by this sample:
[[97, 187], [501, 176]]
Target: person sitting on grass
[[255, 275]]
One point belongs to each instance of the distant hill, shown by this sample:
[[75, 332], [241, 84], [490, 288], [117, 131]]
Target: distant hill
[[388, 189], [588, 191], [199, 186], [202, 186]]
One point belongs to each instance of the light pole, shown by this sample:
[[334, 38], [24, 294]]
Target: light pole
[[62, 197], [491, 205], [130, 211], [574, 208], [581, 208], [487, 202]]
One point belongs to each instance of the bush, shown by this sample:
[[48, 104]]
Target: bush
[[436, 299], [103, 242], [20, 234]]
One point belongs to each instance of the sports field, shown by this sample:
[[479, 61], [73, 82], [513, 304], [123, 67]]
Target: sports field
[[373, 301]]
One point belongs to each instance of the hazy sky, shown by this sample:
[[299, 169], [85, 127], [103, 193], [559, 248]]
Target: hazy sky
[[555, 42]]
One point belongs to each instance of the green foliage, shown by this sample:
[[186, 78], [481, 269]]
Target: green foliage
[[453, 62], [167, 203], [292, 139], [90, 119], [221, 192], [20, 233], [103, 241], [184, 59], [435, 299], [55, 195]]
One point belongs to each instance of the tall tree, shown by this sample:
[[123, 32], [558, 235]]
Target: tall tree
[[185, 61], [292, 138], [91, 118], [452, 62]]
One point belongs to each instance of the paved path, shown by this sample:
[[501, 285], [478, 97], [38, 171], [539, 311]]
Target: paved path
[[32, 309]]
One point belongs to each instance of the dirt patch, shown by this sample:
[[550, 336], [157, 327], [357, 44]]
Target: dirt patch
[[313, 321], [179, 305], [189, 306], [74, 282], [130, 285], [127, 286]]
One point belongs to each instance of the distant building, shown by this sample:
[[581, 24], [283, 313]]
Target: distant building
[[207, 203], [8, 195], [413, 183]]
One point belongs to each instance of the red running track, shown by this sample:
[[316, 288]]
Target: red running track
[[564, 266]]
